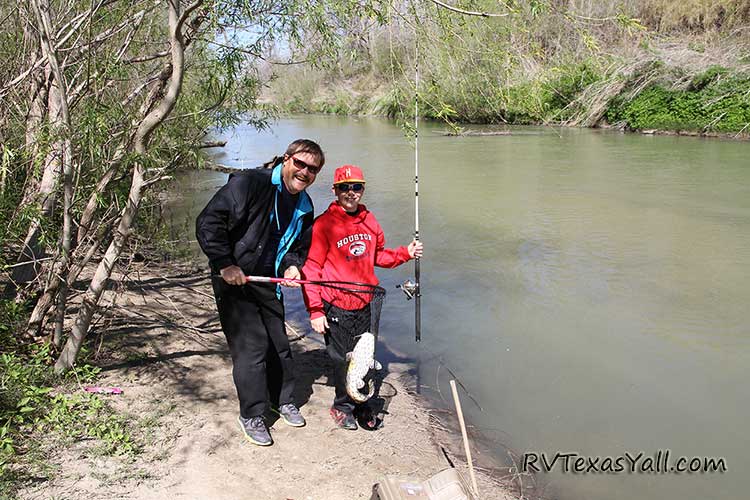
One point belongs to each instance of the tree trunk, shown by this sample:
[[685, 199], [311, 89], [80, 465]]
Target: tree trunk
[[152, 120], [37, 111], [88, 213], [44, 193], [36, 320], [62, 147]]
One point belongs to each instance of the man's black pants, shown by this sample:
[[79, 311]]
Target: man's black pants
[[252, 318]]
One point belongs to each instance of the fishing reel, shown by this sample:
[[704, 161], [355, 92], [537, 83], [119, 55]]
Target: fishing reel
[[409, 288]]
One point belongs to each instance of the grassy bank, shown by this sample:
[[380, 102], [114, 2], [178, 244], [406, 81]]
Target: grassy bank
[[657, 64], [638, 96]]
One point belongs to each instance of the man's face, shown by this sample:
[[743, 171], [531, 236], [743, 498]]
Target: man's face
[[349, 194], [299, 171]]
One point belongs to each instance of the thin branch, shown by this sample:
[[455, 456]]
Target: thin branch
[[466, 12], [254, 54], [140, 88], [36, 64], [188, 10], [74, 25], [136, 19], [597, 19], [212, 144], [151, 57], [26, 263], [156, 179], [12, 11]]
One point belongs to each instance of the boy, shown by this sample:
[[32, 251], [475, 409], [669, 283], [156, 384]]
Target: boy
[[347, 244]]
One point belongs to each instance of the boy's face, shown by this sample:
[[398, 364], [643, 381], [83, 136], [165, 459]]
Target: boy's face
[[349, 195]]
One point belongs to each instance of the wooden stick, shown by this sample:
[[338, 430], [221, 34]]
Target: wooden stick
[[465, 437]]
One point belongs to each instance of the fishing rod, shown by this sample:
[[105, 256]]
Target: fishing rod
[[417, 291], [412, 288]]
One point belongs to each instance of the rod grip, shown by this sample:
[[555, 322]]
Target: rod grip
[[263, 279], [417, 304]]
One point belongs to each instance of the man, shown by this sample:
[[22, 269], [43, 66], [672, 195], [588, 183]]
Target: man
[[347, 244], [259, 223]]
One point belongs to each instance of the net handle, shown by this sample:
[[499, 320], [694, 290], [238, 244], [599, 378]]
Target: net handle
[[339, 285]]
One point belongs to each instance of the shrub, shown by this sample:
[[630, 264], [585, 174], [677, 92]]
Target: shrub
[[559, 92], [38, 407], [714, 101]]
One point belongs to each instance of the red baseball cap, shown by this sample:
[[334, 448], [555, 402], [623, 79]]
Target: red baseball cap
[[348, 173]]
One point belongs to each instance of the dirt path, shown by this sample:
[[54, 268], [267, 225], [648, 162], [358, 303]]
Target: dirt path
[[163, 346]]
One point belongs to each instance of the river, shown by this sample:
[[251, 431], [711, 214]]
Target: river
[[589, 288]]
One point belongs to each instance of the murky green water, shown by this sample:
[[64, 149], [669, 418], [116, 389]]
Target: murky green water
[[589, 288]]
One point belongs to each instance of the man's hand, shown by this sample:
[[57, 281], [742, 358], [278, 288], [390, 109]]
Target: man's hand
[[233, 275], [291, 273], [415, 249], [320, 325]]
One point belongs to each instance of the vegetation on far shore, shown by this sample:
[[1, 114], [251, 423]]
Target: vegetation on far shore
[[655, 64]]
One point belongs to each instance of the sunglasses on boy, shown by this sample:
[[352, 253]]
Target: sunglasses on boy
[[345, 187], [301, 165]]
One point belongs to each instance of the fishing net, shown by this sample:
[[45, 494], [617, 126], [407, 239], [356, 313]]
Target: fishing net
[[346, 326], [356, 309]]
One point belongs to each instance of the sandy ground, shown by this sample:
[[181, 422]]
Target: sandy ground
[[160, 342]]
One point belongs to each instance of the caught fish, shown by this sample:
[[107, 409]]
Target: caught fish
[[361, 361]]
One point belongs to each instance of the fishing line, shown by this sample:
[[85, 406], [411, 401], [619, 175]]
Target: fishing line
[[441, 363]]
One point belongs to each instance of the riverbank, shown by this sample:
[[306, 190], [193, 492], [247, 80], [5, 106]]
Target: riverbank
[[683, 85], [159, 341]]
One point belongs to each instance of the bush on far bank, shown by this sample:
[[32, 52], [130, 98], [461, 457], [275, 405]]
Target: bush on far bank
[[716, 100]]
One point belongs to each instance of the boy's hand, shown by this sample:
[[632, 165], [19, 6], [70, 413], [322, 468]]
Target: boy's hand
[[415, 249], [291, 273], [320, 325], [233, 275]]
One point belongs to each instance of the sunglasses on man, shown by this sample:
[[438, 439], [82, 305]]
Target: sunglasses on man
[[345, 187], [301, 165]]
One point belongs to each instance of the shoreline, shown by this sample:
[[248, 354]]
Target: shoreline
[[160, 342]]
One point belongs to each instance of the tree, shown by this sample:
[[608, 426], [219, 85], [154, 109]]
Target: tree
[[114, 95]]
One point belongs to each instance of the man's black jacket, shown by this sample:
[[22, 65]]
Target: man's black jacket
[[235, 225]]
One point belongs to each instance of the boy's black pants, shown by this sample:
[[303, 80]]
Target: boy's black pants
[[252, 318], [343, 327]]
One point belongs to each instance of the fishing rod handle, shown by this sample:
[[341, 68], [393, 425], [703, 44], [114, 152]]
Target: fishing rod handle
[[417, 305], [268, 279]]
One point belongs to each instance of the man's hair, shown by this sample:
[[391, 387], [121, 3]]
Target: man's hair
[[299, 146]]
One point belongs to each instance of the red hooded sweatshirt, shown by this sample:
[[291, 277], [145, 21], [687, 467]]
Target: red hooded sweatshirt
[[346, 248]]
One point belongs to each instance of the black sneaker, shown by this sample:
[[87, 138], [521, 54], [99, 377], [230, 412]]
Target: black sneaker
[[291, 415], [254, 429], [344, 420], [367, 418]]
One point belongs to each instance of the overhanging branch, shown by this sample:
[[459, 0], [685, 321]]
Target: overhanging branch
[[466, 12]]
